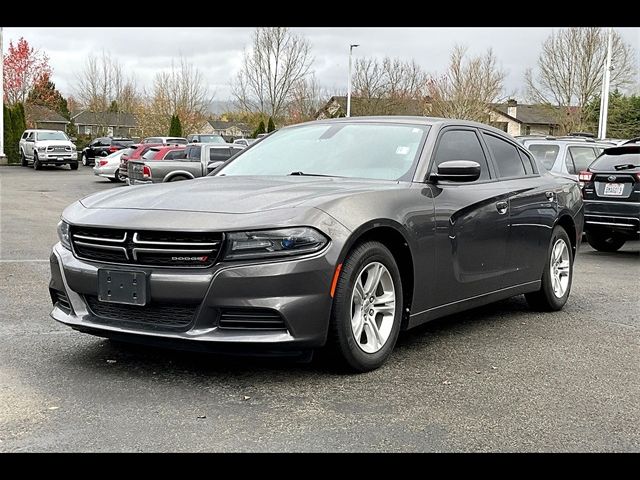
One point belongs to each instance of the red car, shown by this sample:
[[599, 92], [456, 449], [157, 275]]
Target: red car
[[162, 152], [140, 149]]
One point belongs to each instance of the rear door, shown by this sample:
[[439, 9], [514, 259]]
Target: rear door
[[532, 210], [471, 222]]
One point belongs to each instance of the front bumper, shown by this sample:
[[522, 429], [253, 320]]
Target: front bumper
[[46, 158], [619, 216], [297, 289]]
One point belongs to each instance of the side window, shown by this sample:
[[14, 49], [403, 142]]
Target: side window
[[461, 145], [175, 155], [217, 154], [192, 153], [235, 150], [580, 158], [506, 157], [24, 135], [31, 136], [528, 163]]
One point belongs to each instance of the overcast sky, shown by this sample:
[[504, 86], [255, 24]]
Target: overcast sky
[[218, 51]]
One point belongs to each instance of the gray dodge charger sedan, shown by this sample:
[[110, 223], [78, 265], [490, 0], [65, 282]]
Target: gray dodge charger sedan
[[335, 234]]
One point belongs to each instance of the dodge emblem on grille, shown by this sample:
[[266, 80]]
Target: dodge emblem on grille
[[190, 259]]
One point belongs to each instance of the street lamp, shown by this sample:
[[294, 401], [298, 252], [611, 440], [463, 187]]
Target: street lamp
[[351, 47]]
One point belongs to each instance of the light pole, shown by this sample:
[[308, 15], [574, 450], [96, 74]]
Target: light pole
[[351, 47], [604, 100]]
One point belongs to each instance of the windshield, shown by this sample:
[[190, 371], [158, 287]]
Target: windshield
[[178, 141], [211, 139], [150, 154], [51, 136], [357, 150], [545, 153]]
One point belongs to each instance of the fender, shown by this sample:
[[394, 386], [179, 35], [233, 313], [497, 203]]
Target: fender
[[182, 173]]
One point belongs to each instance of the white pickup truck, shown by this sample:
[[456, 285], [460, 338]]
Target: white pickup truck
[[47, 147]]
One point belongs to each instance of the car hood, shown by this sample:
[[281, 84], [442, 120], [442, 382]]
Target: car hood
[[46, 143], [233, 194]]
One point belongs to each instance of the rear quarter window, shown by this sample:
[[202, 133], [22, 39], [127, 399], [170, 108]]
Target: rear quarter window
[[544, 153]]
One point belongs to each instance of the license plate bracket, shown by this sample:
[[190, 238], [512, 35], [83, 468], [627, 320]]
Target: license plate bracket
[[122, 286], [613, 189]]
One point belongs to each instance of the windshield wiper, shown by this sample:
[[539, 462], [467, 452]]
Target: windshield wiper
[[304, 174], [626, 166]]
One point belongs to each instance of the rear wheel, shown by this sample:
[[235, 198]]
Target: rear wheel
[[367, 308], [85, 160], [36, 162], [178, 178], [23, 159], [557, 275], [118, 177], [605, 241]]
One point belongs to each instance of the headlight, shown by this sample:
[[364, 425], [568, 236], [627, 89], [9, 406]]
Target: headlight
[[63, 234], [73, 147], [42, 149], [274, 243]]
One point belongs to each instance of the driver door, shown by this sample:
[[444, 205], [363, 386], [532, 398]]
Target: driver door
[[472, 222]]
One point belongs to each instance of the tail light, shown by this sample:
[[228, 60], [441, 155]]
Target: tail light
[[102, 163], [113, 149], [146, 171], [638, 176], [585, 176]]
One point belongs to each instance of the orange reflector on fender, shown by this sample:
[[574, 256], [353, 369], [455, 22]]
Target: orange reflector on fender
[[335, 279]]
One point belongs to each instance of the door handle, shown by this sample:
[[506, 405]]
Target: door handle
[[502, 207], [550, 196]]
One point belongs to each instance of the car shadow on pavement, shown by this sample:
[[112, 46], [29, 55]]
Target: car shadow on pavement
[[149, 360]]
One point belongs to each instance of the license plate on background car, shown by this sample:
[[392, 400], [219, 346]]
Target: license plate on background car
[[118, 286], [613, 188]]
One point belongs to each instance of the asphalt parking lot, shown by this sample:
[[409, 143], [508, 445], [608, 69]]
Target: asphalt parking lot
[[498, 378]]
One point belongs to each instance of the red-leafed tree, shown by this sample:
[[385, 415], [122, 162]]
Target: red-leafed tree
[[23, 66], [44, 93]]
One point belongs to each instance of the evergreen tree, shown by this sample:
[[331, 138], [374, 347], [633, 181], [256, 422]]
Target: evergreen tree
[[175, 129], [623, 118], [9, 150], [259, 130], [113, 108], [271, 126]]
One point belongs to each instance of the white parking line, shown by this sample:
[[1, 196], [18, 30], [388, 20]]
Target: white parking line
[[25, 260]]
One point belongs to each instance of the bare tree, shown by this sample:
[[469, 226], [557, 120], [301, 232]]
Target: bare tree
[[570, 70], [307, 97], [103, 86], [180, 91], [276, 62], [468, 87], [388, 86]]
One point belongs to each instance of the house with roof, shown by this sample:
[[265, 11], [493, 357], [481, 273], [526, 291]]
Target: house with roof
[[523, 119], [229, 130], [120, 124], [38, 116]]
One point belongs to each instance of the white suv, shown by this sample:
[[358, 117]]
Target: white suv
[[47, 147]]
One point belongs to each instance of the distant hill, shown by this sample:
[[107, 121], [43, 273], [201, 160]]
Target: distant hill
[[217, 107]]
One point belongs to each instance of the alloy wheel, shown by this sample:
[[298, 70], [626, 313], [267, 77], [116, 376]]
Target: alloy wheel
[[560, 268], [373, 307]]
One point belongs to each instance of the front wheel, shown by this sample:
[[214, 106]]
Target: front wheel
[[605, 242], [557, 275], [73, 165], [367, 308], [36, 162]]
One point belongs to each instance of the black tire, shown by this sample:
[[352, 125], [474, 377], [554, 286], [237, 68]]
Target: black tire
[[36, 163], [178, 178], [342, 346], [117, 177], [73, 166], [545, 299], [113, 179], [23, 160], [605, 241]]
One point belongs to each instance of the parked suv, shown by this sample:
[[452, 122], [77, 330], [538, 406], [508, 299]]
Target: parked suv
[[205, 138], [166, 140], [566, 156], [47, 147], [611, 191], [103, 146]]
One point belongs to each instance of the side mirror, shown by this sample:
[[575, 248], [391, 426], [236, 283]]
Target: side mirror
[[458, 171], [211, 166]]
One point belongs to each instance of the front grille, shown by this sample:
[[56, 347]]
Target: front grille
[[154, 315], [146, 248], [61, 300], [250, 319], [58, 148]]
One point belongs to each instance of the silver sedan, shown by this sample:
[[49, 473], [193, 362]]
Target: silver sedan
[[108, 167]]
